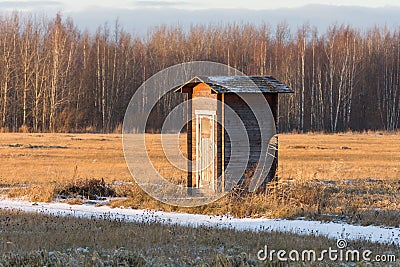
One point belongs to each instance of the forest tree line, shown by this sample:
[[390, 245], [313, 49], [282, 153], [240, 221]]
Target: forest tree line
[[57, 78]]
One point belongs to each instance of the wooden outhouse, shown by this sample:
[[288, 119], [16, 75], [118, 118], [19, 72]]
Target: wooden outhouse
[[207, 141]]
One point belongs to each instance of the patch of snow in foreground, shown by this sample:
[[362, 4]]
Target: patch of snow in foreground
[[329, 229]]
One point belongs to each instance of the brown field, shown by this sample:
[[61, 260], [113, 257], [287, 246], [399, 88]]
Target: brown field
[[355, 177], [340, 157], [343, 177], [44, 158]]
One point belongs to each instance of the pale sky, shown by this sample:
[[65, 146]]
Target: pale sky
[[140, 16], [204, 4], [260, 4], [78, 5]]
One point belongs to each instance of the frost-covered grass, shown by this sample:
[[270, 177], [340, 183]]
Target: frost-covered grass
[[333, 230], [39, 239]]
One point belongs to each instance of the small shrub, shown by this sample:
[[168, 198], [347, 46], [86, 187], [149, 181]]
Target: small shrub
[[118, 129], [24, 129], [88, 188], [4, 130]]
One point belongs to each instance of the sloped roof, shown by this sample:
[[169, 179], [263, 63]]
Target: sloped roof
[[238, 84]]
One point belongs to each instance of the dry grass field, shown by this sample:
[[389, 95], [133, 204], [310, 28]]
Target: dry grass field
[[344, 177], [46, 158], [351, 176], [340, 157]]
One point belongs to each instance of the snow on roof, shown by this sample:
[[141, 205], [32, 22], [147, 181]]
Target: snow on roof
[[238, 84]]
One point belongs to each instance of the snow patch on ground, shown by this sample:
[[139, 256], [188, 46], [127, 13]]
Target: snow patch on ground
[[329, 229]]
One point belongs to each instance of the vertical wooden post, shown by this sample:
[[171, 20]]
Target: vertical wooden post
[[189, 139], [223, 143]]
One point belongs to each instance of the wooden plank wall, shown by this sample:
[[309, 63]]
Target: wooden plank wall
[[253, 132]]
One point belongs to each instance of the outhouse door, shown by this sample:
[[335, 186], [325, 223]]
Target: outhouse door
[[205, 148]]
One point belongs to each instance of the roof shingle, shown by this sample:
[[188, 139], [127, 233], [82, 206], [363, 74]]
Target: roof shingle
[[238, 84]]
